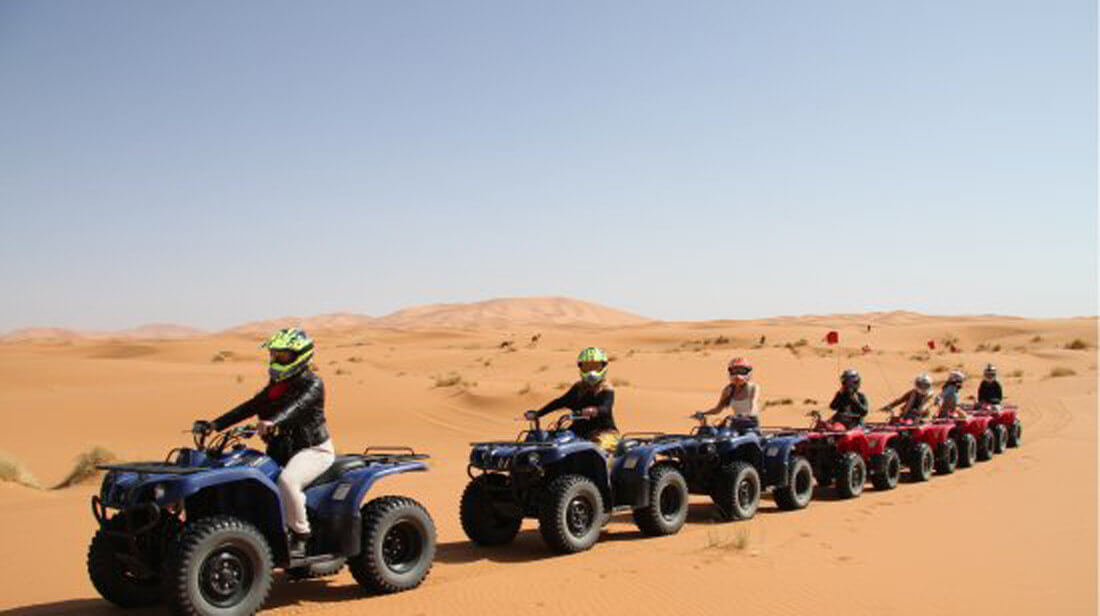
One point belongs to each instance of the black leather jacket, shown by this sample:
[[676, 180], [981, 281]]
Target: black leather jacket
[[297, 408]]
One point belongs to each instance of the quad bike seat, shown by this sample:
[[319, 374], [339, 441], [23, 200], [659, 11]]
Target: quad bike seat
[[341, 465]]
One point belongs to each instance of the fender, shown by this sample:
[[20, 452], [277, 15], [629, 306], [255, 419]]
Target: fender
[[778, 451], [877, 442], [630, 472], [339, 503]]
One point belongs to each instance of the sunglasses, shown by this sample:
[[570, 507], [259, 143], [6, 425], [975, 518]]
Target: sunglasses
[[740, 371]]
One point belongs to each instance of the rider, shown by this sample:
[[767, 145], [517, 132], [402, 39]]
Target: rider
[[849, 402], [740, 396], [989, 392], [948, 400], [291, 411], [591, 398], [917, 402]]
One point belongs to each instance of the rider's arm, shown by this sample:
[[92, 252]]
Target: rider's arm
[[606, 402], [566, 399], [246, 409], [754, 405], [313, 393], [904, 398], [838, 401], [723, 401], [860, 405]]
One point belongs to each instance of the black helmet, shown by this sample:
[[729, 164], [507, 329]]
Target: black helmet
[[850, 376]]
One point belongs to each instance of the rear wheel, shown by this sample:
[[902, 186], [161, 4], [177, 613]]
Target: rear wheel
[[922, 463], [1015, 434], [668, 503], [985, 445], [571, 514], [948, 457], [887, 470], [851, 475], [800, 486], [398, 545], [481, 520], [1000, 438], [737, 491], [223, 566], [968, 450]]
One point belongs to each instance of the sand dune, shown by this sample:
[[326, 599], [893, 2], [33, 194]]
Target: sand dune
[[510, 312], [994, 539]]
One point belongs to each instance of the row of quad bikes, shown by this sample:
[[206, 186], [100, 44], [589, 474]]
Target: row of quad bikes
[[203, 531]]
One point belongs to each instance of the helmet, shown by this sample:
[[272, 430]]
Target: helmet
[[990, 371], [850, 376], [956, 377], [740, 370], [923, 382], [298, 343], [593, 355]]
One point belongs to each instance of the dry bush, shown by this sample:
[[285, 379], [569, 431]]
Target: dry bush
[[720, 541], [940, 368], [342, 372], [526, 389], [240, 378], [1060, 371], [221, 356], [355, 360], [84, 466], [13, 471], [449, 380], [620, 382], [543, 368], [1037, 339], [1017, 373], [779, 402], [810, 401], [1077, 344]]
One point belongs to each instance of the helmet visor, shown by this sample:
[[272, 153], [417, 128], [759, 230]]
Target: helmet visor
[[281, 356], [591, 366], [740, 371]]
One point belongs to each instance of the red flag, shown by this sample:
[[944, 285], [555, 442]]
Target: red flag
[[832, 337], [932, 345], [866, 348]]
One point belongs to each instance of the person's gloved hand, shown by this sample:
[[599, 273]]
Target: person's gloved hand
[[589, 412], [531, 415], [265, 429], [202, 426]]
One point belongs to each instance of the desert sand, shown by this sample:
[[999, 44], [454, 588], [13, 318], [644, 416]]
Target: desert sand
[[1016, 535]]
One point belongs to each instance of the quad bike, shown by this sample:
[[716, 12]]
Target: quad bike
[[974, 437], [571, 486], [925, 447], [733, 463], [1004, 421], [846, 456], [204, 530]]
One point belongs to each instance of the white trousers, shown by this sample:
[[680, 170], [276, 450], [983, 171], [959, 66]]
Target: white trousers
[[303, 467]]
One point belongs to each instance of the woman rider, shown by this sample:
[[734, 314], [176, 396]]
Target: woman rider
[[291, 410], [916, 404], [591, 398], [740, 396]]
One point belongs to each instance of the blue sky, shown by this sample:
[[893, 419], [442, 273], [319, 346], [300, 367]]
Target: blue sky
[[210, 163]]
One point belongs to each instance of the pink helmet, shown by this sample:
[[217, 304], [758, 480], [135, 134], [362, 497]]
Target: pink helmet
[[739, 369]]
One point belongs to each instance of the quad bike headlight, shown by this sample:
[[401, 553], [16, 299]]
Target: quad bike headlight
[[533, 458], [159, 491]]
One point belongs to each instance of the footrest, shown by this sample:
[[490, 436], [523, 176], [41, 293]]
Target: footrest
[[312, 560]]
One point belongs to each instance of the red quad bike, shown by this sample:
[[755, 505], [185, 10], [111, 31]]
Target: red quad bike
[[1003, 420], [925, 447], [973, 436], [846, 456]]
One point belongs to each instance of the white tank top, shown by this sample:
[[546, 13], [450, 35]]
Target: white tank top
[[743, 407]]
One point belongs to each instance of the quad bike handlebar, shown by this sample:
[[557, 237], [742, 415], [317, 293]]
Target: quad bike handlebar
[[206, 439]]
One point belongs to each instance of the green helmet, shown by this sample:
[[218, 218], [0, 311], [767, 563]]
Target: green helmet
[[593, 354], [296, 341]]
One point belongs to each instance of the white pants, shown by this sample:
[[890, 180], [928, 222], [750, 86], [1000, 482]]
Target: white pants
[[303, 467]]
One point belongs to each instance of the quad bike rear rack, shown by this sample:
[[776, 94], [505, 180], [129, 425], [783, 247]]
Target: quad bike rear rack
[[387, 454], [151, 468]]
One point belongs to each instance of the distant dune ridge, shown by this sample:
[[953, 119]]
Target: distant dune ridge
[[498, 313], [504, 312]]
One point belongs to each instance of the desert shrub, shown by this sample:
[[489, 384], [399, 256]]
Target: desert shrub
[[1037, 339], [449, 380], [355, 360], [13, 471], [1060, 371], [221, 356], [809, 401], [939, 368], [620, 382], [526, 389], [1077, 344], [1017, 373], [84, 466], [543, 368], [779, 402]]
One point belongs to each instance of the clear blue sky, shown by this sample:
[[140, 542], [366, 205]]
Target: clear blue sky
[[215, 162]]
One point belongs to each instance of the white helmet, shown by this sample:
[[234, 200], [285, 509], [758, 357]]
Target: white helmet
[[990, 371], [923, 382], [956, 377]]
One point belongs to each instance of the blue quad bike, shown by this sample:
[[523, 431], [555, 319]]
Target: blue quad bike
[[571, 485], [733, 462], [203, 530]]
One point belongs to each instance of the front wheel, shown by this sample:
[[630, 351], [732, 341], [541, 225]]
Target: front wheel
[[222, 566], [923, 462], [887, 470], [398, 545], [1000, 438], [571, 514], [851, 475], [668, 503], [115, 580], [800, 486], [948, 457], [985, 445], [737, 492], [968, 450], [480, 519], [1015, 434]]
